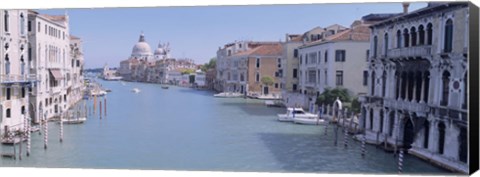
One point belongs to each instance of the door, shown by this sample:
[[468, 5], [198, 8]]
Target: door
[[265, 90]]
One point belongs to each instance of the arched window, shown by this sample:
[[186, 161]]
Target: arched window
[[426, 132], [406, 38], [413, 34], [371, 119], [427, 84], [448, 41], [22, 24], [441, 137], [373, 83], [429, 34], [384, 83], [445, 88], [421, 35], [399, 39], [5, 20], [7, 64], [385, 45], [381, 121], [375, 43], [391, 123]]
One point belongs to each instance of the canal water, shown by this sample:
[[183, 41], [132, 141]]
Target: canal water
[[186, 129]]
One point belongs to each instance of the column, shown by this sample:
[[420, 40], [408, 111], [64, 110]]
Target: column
[[422, 92], [400, 87], [414, 93], [406, 88]]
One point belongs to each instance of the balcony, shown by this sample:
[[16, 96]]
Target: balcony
[[12, 78], [419, 108], [450, 113], [416, 51]]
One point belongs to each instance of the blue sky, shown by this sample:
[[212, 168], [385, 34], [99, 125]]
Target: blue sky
[[196, 32]]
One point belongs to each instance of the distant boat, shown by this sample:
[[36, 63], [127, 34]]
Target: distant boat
[[75, 121], [112, 78], [97, 92], [108, 90], [228, 95], [135, 90], [164, 86]]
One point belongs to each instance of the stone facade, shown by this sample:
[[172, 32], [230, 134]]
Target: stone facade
[[417, 85]]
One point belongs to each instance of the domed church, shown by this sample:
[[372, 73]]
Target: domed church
[[142, 51]]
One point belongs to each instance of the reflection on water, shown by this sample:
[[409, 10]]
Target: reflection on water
[[187, 129]]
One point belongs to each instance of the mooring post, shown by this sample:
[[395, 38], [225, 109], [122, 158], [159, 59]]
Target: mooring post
[[400, 161], [94, 104], [29, 137], [100, 109], [12, 139], [45, 137], [326, 126], [336, 134], [61, 127], [345, 139], [364, 139], [377, 143], [395, 149], [19, 147], [105, 105]]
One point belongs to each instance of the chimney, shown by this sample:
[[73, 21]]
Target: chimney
[[405, 7]]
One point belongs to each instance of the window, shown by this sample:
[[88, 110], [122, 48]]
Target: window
[[276, 85], [339, 78], [295, 73], [373, 83], [368, 53], [39, 27], [295, 53], [405, 38], [421, 35], [301, 59], [326, 56], [23, 92], [257, 77], [29, 53], [312, 76], [22, 111], [429, 34], [29, 26], [375, 43], [22, 24], [448, 41], [279, 61], [9, 92], [5, 20], [399, 39], [78, 63], [340, 55], [7, 64], [365, 78], [8, 112], [326, 78], [258, 63], [294, 87], [385, 45], [445, 88], [46, 29]]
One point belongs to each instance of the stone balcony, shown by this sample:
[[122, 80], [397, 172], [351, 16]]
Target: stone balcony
[[12, 78], [416, 51], [412, 106]]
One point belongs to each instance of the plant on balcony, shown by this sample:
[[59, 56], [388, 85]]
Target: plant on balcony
[[267, 80]]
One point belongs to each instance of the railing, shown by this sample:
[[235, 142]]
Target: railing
[[410, 51], [444, 112], [407, 105], [13, 78]]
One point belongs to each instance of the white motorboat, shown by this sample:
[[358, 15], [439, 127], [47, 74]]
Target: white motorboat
[[97, 92], [135, 90], [75, 120], [228, 95], [295, 113], [311, 120]]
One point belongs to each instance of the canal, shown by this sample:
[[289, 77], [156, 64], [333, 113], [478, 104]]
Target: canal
[[186, 129]]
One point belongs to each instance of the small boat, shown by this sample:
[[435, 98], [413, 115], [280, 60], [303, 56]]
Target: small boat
[[135, 90], [98, 92], [75, 120], [164, 86], [228, 95], [296, 115], [34, 129], [273, 103]]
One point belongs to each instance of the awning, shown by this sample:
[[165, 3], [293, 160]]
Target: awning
[[56, 74]]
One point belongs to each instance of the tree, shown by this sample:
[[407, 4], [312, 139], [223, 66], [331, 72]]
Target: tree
[[211, 64], [330, 95], [355, 105], [267, 80]]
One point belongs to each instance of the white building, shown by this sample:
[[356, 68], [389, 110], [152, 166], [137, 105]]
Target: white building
[[200, 79], [15, 62], [76, 84], [417, 85], [49, 44]]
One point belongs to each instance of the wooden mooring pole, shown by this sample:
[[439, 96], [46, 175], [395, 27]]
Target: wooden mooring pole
[[364, 139], [45, 137], [105, 105], [100, 109], [400, 161]]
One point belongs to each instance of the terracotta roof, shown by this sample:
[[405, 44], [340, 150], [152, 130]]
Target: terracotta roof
[[359, 32], [74, 37], [265, 49], [55, 17]]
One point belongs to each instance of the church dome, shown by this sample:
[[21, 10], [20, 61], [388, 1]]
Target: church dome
[[141, 48], [159, 50]]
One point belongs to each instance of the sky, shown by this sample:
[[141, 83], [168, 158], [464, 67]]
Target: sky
[[109, 34]]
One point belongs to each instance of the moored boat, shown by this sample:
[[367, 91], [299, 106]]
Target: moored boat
[[295, 113], [228, 95]]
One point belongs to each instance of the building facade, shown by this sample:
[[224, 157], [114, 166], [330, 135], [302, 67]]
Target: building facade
[[417, 85], [15, 77], [336, 57]]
